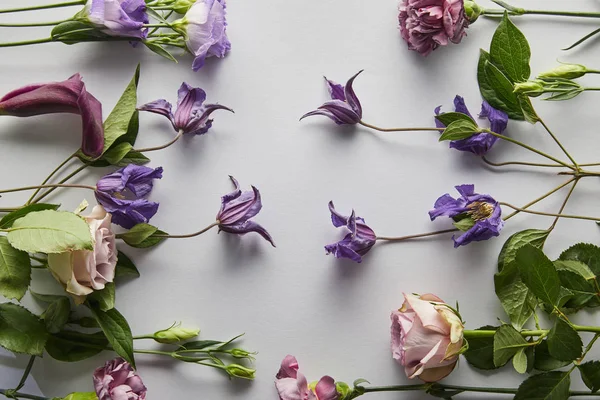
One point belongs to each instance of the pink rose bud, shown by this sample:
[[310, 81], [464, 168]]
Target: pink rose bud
[[118, 381], [427, 337], [83, 271]]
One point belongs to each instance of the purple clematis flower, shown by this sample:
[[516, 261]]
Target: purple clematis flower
[[355, 244], [236, 210], [118, 17], [69, 96], [482, 209], [123, 194], [192, 116], [479, 143], [344, 107]]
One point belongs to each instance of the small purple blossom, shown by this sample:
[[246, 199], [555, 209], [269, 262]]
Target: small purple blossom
[[236, 210], [344, 107], [119, 17], [482, 209], [123, 194], [118, 381], [192, 115], [479, 143], [355, 244]]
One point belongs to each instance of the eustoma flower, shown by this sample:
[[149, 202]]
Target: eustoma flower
[[477, 215], [118, 381], [69, 96], [357, 242], [479, 143], [192, 115], [427, 337], [117, 17], [292, 384], [344, 107], [123, 194], [427, 24]]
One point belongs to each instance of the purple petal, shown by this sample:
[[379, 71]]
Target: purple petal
[[200, 124], [351, 97], [139, 179], [289, 368], [460, 106], [342, 249], [326, 389], [337, 219], [127, 213], [161, 107], [188, 106], [233, 195], [336, 91], [246, 227], [341, 111], [438, 124], [352, 223], [448, 206], [465, 190], [92, 143], [498, 119], [241, 209]]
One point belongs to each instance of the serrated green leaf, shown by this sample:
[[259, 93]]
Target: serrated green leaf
[[481, 351], [538, 274], [8, 219], [590, 374], [544, 361], [520, 361], [116, 153], [510, 51], [507, 342], [459, 129], [143, 236], [15, 271], [104, 299], [117, 331], [71, 346], [574, 281], [50, 232], [575, 266], [21, 331], [45, 298], [449, 117], [57, 314], [547, 386], [564, 343], [586, 253], [125, 267]]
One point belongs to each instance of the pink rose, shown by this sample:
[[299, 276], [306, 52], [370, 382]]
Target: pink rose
[[427, 337], [427, 24], [292, 385], [83, 271], [118, 381]]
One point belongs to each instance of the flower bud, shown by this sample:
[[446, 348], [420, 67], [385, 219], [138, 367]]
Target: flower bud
[[175, 334], [529, 88], [182, 6], [566, 71], [472, 10], [239, 371], [240, 353]]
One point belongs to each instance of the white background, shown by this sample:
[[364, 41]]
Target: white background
[[332, 314]]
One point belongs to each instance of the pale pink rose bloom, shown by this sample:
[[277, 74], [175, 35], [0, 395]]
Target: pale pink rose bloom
[[83, 271], [427, 337], [292, 385]]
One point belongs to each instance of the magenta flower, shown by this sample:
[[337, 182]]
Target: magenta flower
[[427, 24], [236, 210], [292, 385], [69, 96], [192, 116], [344, 107], [118, 381], [123, 194], [357, 242], [118, 17]]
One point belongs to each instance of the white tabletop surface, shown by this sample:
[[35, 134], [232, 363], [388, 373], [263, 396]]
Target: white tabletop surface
[[332, 314]]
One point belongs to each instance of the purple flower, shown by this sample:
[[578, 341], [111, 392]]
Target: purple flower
[[355, 244], [119, 17], [479, 143], [291, 384], [123, 194], [191, 115], [482, 210], [69, 96], [236, 210], [205, 31], [118, 381], [344, 107], [427, 24]]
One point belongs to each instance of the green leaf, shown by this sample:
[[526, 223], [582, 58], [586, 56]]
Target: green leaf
[[160, 50], [104, 299], [116, 153], [133, 157], [464, 224], [510, 51], [125, 267], [527, 109], [508, 254], [496, 89], [576, 267], [538, 274], [520, 361], [200, 344], [586, 253], [481, 350], [459, 129], [450, 117], [544, 361], [8, 219], [81, 396], [15, 271], [45, 298], [71, 346], [132, 130], [57, 314], [143, 236], [564, 343], [117, 123], [21, 331], [574, 281], [117, 331], [590, 374], [547, 386], [71, 32], [507, 342], [50, 232]]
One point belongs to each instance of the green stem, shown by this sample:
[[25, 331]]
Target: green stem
[[526, 333], [399, 129], [556, 189], [420, 235], [26, 373], [550, 214], [143, 337], [45, 7], [502, 164], [564, 204], [58, 168], [55, 185], [440, 386], [591, 88], [8, 209], [157, 26], [164, 146], [32, 24], [589, 346], [189, 235], [72, 174], [158, 352], [558, 142], [38, 259], [23, 395], [522, 11], [27, 42]]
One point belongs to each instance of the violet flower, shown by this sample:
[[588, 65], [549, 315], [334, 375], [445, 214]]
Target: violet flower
[[118, 381], [236, 210], [344, 107], [484, 212], [68, 96], [293, 385], [355, 244], [123, 194], [479, 143], [118, 17], [192, 116]]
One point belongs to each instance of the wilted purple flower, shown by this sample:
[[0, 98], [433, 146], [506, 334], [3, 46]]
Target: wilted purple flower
[[344, 107], [123, 194], [191, 115], [355, 244], [118, 17], [427, 24], [479, 143], [236, 210], [69, 96], [481, 209], [118, 381]]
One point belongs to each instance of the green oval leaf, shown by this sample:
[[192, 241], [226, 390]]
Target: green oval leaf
[[15, 271], [117, 331], [21, 331], [510, 51], [590, 374], [449, 117], [459, 129], [538, 274], [125, 267], [507, 342], [71, 346], [547, 386], [143, 236], [8, 219], [544, 361], [57, 314], [564, 343], [481, 351]]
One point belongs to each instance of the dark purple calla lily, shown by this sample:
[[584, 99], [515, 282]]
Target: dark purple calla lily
[[355, 244], [69, 96]]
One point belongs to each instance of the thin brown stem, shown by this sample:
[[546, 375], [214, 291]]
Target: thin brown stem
[[550, 214], [420, 235], [556, 189], [399, 129], [58, 168], [164, 146], [189, 235], [65, 179], [564, 204], [558, 143], [502, 164], [56, 185]]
